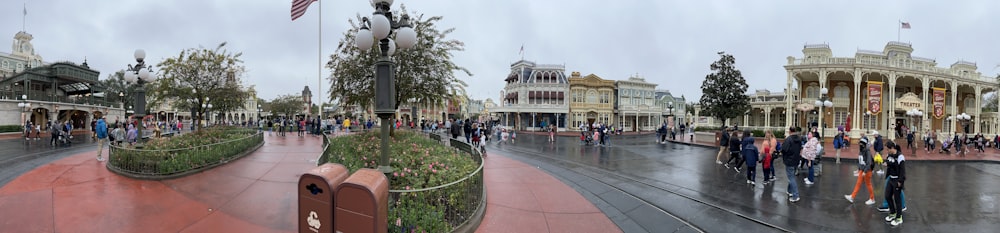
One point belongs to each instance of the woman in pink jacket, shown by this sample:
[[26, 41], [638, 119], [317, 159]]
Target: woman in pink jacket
[[809, 152]]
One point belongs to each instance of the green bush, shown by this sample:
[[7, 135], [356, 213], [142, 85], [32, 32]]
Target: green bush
[[11, 128], [186, 152], [418, 163]]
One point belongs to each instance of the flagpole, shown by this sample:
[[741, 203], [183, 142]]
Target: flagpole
[[899, 27], [319, 69]]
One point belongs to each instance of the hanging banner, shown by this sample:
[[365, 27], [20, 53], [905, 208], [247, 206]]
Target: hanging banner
[[875, 97], [938, 102]]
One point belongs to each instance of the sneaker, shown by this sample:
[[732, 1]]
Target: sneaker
[[870, 202], [753, 183], [748, 181], [890, 217], [737, 169], [883, 209], [904, 208], [849, 198], [807, 181], [718, 162], [897, 221], [856, 173], [727, 165], [880, 172], [793, 199]]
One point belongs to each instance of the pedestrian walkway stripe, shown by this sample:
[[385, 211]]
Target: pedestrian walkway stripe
[[592, 169]]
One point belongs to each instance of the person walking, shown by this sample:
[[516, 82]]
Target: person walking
[[734, 152], [552, 133], [750, 155], [896, 171], [768, 149], [838, 143], [101, 133], [118, 134], [347, 125], [878, 146], [54, 129], [865, 166], [723, 144], [790, 151], [809, 152], [467, 131]]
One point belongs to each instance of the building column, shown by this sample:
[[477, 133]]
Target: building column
[[954, 106], [767, 117], [890, 108], [856, 116], [746, 120], [820, 112], [979, 110], [789, 111], [927, 113]]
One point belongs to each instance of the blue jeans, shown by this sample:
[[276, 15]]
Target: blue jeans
[[793, 186], [811, 177]]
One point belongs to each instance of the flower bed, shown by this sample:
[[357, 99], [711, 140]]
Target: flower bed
[[179, 155], [429, 193]]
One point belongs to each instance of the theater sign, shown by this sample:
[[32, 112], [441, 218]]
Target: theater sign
[[909, 101]]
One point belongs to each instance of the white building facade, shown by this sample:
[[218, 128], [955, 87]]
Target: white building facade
[[534, 96], [637, 109]]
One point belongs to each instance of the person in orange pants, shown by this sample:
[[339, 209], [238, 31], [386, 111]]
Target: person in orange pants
[[865, 166]]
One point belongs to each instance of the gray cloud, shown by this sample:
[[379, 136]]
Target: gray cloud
[[667, 42]]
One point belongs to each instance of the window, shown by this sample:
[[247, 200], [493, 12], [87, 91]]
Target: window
[[839, 117], [812, 91], [605, 97], [591, 97], [841, 92]]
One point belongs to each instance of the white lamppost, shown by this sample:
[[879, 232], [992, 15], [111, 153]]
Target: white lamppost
[[139, 75], [917, 123], [381, 25], [25, 107], [823, 101]]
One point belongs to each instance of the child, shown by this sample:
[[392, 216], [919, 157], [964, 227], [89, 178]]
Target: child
[[766, 158], [896, 171], [513, 135], [750, 154]]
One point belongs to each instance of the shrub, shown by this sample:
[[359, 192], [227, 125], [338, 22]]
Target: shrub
[[418, 163], [11, 128], [166, 156]]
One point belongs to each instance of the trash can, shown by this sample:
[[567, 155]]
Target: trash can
[[362, 203], [316, 190]]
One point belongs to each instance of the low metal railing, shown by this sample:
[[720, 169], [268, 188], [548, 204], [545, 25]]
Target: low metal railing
[[162, 164], [460, 202]]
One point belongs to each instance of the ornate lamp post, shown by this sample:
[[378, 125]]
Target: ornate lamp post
[[207, 108], [385, 87], [823, 101], [139, 75], [917, 117], [25, 107]]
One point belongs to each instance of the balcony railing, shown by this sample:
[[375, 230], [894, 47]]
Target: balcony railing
[[47, 97], [904, 64]]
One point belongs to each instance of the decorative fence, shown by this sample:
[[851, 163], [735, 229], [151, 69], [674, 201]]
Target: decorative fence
[[461, 203], [166, 164]]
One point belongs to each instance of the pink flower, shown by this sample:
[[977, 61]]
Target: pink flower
[[395, 174], [407, 187], [434, 170], [399, 222], [402, 174], [430, 166]]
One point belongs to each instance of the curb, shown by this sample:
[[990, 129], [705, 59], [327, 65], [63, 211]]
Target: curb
[[834, 159]]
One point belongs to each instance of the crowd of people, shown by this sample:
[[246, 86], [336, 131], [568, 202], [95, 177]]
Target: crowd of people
[[801, 151]]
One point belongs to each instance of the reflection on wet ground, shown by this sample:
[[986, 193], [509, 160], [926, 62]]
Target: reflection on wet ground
[[685, 181]]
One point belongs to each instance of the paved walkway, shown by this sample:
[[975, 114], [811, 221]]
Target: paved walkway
[[255, 194], [850, 153], [522, 198]]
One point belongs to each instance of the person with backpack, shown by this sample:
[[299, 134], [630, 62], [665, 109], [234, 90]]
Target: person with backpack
[[723, 145], [865, 166], [790, 151], [838, 143], [878, 146], [101, 133]]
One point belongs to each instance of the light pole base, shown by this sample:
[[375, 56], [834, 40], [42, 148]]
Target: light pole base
[[385, 170]]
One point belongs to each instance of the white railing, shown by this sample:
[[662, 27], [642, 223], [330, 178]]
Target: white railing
[[904, 64]]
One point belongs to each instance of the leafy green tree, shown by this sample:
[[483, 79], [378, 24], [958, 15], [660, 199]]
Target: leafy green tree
[[200, 76], [287, 105], [117, 90], [724, 91], [424, 74]]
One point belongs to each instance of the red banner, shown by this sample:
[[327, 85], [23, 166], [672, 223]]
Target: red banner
[[938, 102], [874, 97]]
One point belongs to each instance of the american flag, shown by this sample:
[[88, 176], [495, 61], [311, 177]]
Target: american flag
[[904, 25], [299, 8]]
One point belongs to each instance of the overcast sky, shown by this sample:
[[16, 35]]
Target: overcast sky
[[670, 43]]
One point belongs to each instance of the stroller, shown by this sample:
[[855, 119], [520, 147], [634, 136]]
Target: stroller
[[946, 147], [586, 138], [63, 139]]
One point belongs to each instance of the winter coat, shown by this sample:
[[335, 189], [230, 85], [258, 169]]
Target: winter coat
[[878, 143], [101, 128], [750, 154], [838, 141], [734, 145], [809, 151], [894, 167], [724, 139], [791, 149], [865, 160]]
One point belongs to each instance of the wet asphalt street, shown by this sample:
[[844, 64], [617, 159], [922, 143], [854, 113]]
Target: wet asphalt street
[[18, 156], [648, 187]]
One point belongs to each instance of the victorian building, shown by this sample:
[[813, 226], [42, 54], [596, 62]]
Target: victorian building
[[636, 105], [674, 108], [591, 100], [534, 96], [32, 90], [876, 89]]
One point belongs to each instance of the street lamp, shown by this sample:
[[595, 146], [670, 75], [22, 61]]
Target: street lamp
[[25, 107], [823, 101], [917, 116], [139, 75], [385, 87], [207, 108], [964, 119], [868, 116]]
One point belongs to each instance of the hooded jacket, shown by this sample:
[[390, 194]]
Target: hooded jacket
[[865, 161], [101, 128], [809, 151], [894, 167], [791, 150], [750, 153]]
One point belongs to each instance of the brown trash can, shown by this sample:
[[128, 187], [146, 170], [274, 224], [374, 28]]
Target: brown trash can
[[362, 203], [316, 190]]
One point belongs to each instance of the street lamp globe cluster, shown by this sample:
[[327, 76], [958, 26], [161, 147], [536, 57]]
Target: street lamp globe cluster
[[823, 101], [964, 118], [140, 74], [381, 26]]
